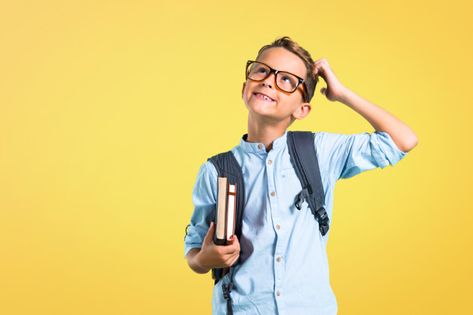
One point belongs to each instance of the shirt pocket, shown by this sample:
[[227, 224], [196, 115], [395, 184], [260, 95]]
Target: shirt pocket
[[288, 186], [288, 179]]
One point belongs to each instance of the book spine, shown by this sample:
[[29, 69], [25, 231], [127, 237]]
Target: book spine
[[220, 216]]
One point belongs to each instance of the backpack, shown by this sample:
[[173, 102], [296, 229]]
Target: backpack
[[304, 160]]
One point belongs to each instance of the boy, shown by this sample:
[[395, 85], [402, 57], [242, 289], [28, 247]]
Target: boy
[[283, 268]]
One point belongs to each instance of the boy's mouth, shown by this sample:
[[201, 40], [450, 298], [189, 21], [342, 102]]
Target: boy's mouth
[[263, 97]]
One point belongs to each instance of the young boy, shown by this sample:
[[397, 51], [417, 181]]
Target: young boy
[[283, 268]]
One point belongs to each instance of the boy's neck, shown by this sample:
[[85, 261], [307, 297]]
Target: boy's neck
[[265, 133]]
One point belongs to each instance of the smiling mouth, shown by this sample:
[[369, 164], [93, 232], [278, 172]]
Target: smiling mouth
[[263, 97]]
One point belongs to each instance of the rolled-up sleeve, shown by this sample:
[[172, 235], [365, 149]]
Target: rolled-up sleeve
[[204, 200], [349, 155]]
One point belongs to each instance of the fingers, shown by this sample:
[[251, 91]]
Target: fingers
[[321, 62], [233, 253], [232, 260], [229, 253], [236, 242], [321, 66], [232, 246]]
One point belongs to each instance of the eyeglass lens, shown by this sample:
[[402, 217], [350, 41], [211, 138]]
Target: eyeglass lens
[[284, 80]]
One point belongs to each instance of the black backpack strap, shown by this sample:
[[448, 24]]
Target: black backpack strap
[[304, 159], [227, 166]]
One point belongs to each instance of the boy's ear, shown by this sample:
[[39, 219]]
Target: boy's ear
[[242, 89], [302, 111]]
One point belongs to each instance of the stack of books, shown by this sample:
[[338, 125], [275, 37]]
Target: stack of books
[[225, 218]]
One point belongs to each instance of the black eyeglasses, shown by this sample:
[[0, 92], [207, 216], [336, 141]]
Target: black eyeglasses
[[286, 81]]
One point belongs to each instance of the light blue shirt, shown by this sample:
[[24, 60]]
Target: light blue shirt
[[283, 260]]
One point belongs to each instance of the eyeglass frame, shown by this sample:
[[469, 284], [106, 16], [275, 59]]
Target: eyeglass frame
[[271, 70]]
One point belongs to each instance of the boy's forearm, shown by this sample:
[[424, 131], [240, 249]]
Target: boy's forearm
[[193, 261], [381, 120]]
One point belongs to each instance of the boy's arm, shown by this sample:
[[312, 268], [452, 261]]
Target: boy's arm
[[199, 249], [346, 155], [192, 260], [204, 201], [404, 138], [381, 120]]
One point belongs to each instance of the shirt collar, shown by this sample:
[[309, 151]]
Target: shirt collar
[[258, 147]]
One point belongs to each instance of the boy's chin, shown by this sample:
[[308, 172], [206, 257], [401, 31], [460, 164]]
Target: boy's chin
[[262, 110], [268, 116]]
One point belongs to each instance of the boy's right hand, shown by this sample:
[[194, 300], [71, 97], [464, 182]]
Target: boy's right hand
[[218, 256]]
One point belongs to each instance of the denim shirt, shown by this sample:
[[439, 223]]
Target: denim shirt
[[283, 265]]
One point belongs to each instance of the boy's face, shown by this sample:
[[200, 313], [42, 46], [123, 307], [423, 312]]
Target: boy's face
[[286, 106]]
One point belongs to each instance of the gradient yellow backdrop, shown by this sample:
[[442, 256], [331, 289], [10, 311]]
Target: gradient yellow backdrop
[[108, 108]]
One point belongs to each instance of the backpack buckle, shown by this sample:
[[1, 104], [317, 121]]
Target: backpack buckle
[[302, 195], [226, 290]]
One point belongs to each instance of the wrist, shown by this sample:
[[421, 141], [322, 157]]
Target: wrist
[[344, 95], [199, 263]]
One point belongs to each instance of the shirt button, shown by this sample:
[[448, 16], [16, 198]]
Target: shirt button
[[270, 162], [273, 193], [278, 259], [260, 146], [278, 293], [278, 226]]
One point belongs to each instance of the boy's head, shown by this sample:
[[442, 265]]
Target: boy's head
[[277, 72]]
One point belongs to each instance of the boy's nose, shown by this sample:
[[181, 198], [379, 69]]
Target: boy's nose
[[269, 85], [269, 80]]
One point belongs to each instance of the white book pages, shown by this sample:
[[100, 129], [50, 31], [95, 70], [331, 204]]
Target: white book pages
[[231, 201], [231, 210]]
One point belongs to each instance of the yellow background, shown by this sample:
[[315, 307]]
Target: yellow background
[[108, 109]]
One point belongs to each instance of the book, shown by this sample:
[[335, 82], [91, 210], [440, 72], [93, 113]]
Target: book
[[225, 218]]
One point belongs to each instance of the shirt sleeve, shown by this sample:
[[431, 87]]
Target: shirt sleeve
[[204, 200], [349, 155]]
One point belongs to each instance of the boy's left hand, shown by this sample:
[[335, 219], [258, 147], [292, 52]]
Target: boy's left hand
[[335, 90]]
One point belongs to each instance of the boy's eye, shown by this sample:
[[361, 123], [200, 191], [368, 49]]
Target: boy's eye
[[288, 79]]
